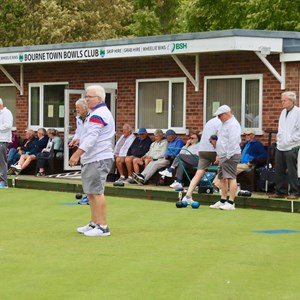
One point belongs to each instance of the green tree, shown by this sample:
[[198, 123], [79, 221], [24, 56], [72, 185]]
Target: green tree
[[206, 15], [25, 22], [274, 15], [154, 17]]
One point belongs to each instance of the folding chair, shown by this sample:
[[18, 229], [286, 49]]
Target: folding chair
[[209, 169]]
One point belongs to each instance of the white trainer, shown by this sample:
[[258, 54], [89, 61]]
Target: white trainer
[[166, 173], [98, 231], [189, 201], [227, 206], [176, 185], [85, 228], [217, 205]]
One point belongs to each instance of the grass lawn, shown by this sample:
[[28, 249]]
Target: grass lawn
[[156, 251]]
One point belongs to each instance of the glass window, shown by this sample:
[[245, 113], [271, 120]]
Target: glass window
[[161, 104], [8, 95], [243, 93], [46, 105]]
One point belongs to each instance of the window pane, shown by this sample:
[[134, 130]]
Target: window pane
[[8, 95], [53, 105], [177, 105], [148, 93], [35, 106], [252, 104], [224, 91]]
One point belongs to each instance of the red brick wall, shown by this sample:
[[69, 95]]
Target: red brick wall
[[126, 71]]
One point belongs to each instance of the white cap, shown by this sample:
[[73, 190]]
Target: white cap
[[222, 109]]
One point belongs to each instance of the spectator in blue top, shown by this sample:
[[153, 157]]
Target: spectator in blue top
[[174, 146], [29, 156], [14, 154], [253, 153]]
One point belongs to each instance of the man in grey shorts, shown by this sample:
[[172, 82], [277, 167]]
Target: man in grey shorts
[[207, 155], [229, 154], [95, 152]]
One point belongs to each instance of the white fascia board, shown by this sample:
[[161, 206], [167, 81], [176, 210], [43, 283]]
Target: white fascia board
[[289, 57], [235, 44], [145, 49]]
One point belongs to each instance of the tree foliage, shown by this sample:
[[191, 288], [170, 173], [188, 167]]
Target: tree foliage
[[206, 15], [27, 22]]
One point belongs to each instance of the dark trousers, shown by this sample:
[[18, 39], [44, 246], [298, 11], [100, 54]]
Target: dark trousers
[[3, 162], [286, 172]]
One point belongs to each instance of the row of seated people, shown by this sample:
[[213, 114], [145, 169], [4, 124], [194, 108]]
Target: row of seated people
[[142, 166], [36, 146], [142, 157]]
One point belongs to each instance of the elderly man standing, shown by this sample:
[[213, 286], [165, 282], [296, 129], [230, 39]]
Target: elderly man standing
[[95, 152], [253, 153], [288, 144], [82, 112], [229, 154], [6, 123]]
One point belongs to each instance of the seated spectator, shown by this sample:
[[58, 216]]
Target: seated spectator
[[138, 148], [253, 153], [154, 166], [121, 149], [14, 154], [156, 151], [14, 142], [185, 160], [55, 143], [30, 155]]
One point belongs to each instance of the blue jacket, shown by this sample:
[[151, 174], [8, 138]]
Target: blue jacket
[[253, 152], [177, 143], [40, 145]]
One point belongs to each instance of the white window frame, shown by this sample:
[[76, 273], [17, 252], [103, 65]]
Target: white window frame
[[243, 77], [178, 130], [41, 116]]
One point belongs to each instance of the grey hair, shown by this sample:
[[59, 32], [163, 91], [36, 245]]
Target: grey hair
[[100, 91], [82, 102], [291, 95], [127, 126], [42, 131], [159, 132]]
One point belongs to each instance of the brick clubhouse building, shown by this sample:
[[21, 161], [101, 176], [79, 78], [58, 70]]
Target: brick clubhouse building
[[172, 81]]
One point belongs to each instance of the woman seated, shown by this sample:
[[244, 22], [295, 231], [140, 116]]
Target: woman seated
[[55, 144], [185, 160], [30, 155], [14, 154]]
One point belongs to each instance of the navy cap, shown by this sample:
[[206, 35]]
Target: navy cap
[[142, 131], [170, 132]]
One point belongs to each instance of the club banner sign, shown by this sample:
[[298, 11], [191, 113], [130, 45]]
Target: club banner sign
[[95, 53]]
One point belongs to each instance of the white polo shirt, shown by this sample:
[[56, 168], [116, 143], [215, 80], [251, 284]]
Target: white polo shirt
[[97, 135]]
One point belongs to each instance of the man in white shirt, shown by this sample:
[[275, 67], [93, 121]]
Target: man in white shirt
[[95, 152], [229, 155], [120, 151], [288, 144], [6, 123], [207, 155]]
